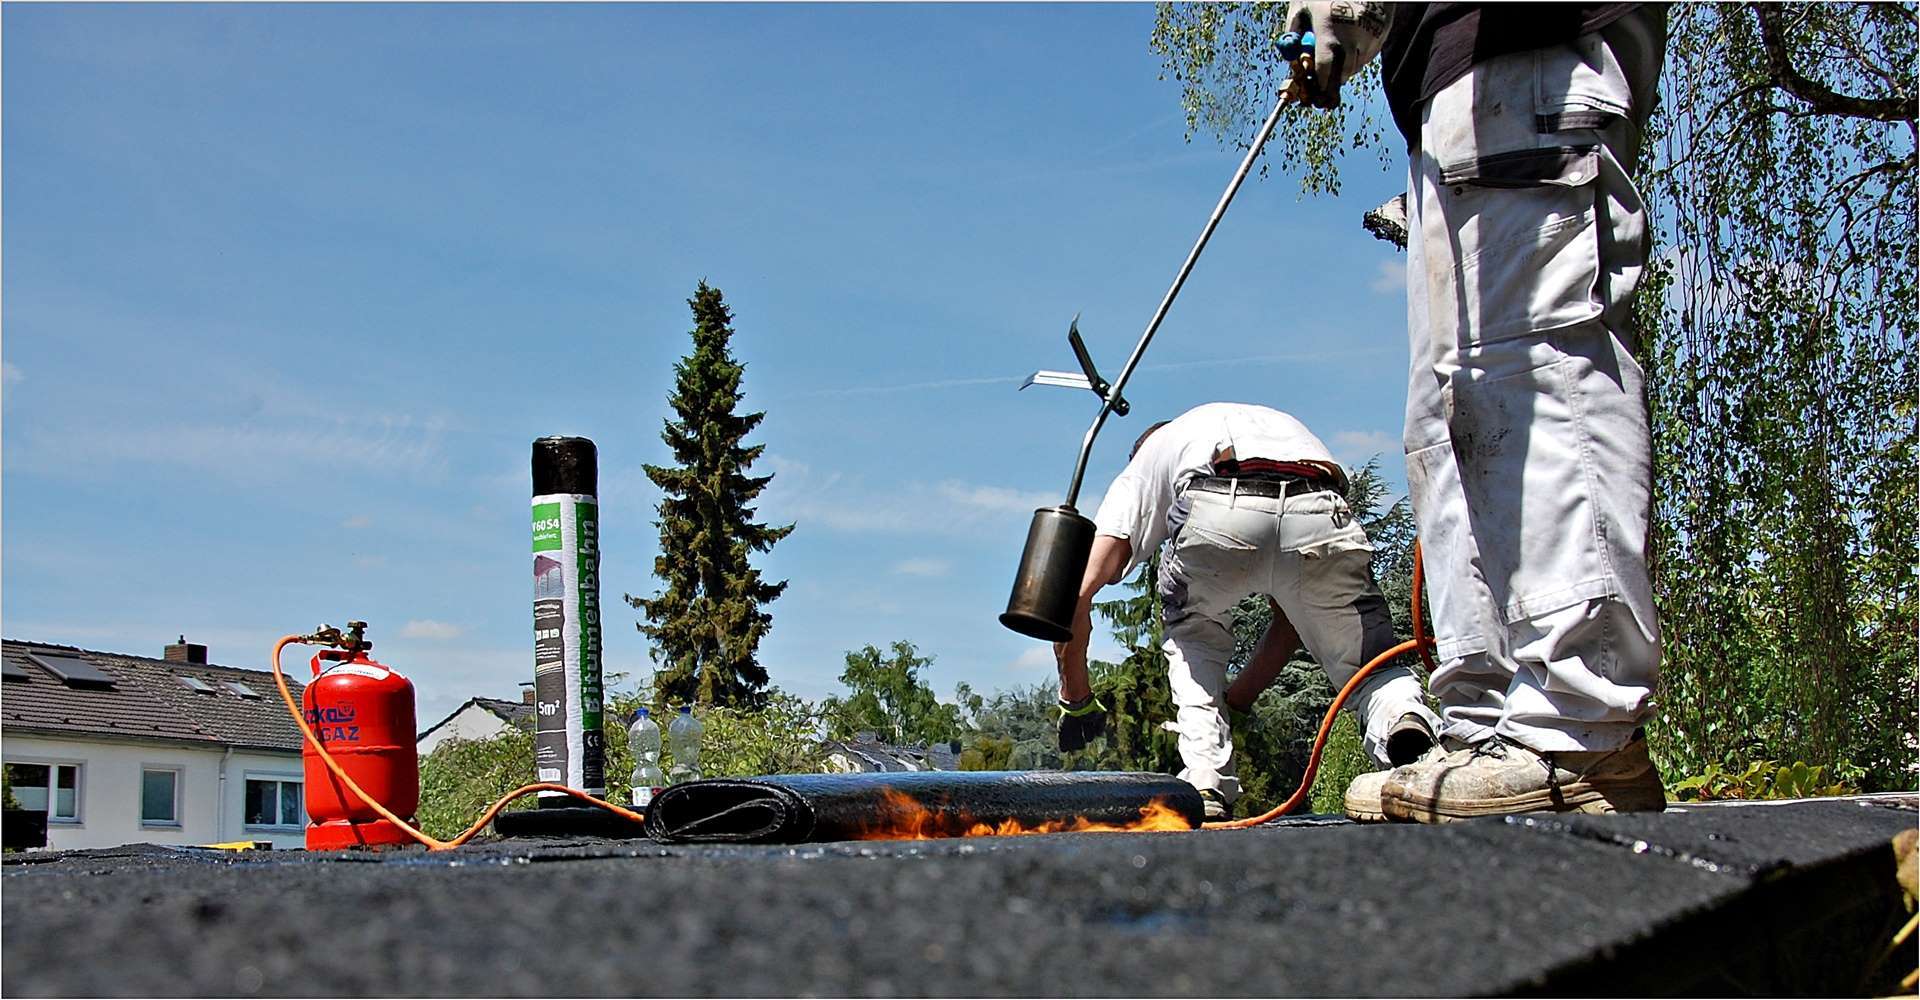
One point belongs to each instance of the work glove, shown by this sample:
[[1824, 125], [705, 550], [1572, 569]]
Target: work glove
[[1081, 722], [1347, 34]]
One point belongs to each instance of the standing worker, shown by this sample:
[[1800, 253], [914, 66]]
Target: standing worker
[[1528, 455], [1249, 503]]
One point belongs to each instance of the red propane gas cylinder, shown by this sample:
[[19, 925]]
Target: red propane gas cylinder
[[363, 712]]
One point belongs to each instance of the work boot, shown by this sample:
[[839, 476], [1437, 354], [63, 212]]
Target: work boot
[[1499, 777], [1213, 805], [1363, 802]]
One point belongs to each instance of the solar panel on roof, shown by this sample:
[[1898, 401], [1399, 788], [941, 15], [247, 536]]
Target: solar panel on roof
[[194, 684], [13, 671], [240, 688], [73, 671]]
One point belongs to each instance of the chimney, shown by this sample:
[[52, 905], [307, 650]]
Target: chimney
[[526, 692], [186, 652]]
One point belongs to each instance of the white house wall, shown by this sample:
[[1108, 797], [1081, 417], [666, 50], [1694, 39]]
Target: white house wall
[[110, 785], [470, 723]]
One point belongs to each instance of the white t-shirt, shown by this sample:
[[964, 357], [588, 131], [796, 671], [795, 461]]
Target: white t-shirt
[[1137, 504]]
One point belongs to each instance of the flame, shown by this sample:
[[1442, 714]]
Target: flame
[[905, 818]]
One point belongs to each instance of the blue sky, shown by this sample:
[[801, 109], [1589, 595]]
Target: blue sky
[[289, 290]]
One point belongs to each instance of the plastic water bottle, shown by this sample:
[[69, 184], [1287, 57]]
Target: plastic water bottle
[[683, 736], [643, 741]]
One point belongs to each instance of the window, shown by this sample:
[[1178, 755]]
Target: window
[[159, 796], [50, 788], [274, 802]]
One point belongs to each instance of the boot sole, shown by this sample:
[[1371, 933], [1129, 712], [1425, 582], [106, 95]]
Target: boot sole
[[1580, 797], [1364, 815]]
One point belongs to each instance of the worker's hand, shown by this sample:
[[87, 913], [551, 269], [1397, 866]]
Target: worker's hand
[[1080, 722], [1347, 34]]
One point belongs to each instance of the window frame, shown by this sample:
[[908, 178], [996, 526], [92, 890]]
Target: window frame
[[53, 765], [179, 794], [281, 780]]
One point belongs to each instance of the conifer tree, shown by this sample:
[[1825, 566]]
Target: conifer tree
[[707, 624]]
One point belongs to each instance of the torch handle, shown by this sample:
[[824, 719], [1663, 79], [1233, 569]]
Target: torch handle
[[1153, 325]]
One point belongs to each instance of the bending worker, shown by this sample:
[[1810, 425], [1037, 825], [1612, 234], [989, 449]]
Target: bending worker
[[1249, 503], [1528, 455]]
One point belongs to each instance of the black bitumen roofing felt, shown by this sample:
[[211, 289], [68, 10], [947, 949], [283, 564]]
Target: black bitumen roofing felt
[[1714, 900], [147, 700]]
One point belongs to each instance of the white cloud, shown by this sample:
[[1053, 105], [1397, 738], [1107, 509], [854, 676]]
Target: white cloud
[[1390, 277], [840, 502], [427, 628], [1035, 657], [242, 448], [994, 499], [923, 567], [1354, 447]]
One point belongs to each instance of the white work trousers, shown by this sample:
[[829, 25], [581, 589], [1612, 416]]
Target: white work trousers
[[1528, 455], [1307, 554]]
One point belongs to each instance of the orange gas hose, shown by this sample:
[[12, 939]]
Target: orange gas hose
[[432, 843], [1419, 642]]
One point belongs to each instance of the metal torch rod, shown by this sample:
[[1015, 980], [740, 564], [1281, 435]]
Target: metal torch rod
[[1113, 393]]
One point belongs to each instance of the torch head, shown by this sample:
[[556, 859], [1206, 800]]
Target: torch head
[[1048, 585]]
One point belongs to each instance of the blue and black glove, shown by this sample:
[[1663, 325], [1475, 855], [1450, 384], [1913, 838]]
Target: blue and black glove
[[1081, 722]]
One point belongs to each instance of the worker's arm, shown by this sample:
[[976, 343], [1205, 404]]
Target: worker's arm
[[1082, 717], [1105, 563], [1274, 650]]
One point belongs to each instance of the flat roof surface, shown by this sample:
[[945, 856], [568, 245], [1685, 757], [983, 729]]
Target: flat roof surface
[[1680, 902]]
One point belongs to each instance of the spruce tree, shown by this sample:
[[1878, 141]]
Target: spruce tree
[[707, 624]]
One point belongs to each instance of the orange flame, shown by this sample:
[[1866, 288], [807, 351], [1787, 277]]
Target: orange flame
[[905, 818]]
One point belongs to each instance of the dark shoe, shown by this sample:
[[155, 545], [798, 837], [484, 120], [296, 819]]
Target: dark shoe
[[1408, 740], [1214, 806]]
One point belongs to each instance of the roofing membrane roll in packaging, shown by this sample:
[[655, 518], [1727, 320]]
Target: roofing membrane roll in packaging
[[568, 741], [800, 808]]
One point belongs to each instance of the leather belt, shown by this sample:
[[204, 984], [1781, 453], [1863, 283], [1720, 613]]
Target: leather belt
[[1261, 486]]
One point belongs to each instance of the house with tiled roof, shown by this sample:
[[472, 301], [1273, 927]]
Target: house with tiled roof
[[479, 719], [119, 749]]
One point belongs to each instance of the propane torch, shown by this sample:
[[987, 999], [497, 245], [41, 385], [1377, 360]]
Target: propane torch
[[1060, 538]]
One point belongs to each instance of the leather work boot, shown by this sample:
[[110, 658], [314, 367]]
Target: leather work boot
[[1213, 805], [1363, 802], [1499, 777]]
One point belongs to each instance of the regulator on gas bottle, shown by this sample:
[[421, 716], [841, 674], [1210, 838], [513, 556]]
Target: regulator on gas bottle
[[363, 712]]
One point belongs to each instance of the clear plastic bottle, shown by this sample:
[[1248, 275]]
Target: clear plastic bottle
[[643, 740], [683, 737]]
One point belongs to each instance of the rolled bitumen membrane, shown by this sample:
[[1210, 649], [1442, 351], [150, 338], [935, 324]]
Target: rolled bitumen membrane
[[802, 808]]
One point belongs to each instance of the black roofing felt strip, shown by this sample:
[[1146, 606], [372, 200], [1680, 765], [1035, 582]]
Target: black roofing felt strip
[[801, 808]]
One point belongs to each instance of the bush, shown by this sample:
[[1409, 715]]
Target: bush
[[1764, 779], [461, 778]]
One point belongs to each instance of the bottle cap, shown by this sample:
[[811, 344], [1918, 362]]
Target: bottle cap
[[686, 710], [641, 712]]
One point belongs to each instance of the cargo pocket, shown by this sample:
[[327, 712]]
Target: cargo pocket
[[1510, 172], [1527, 249]]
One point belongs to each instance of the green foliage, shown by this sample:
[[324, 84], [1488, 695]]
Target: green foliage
[[1225, 59], [706, 626], [1011, 730], [1763, 779], [1781, 317], [461, 778], [886, 695], [780, 735], [1777, 324], [7, 801]]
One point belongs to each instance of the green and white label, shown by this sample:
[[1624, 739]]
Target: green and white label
[[566, 643]]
